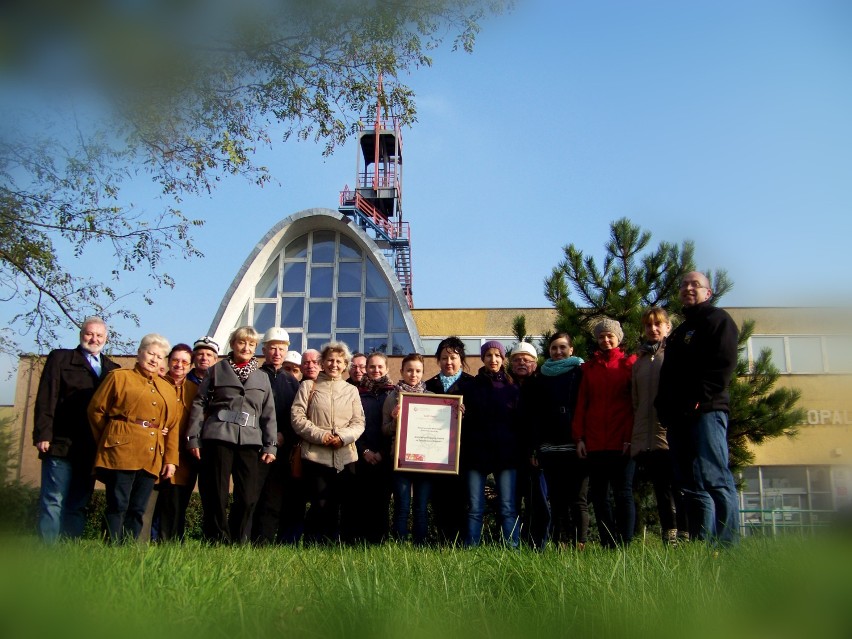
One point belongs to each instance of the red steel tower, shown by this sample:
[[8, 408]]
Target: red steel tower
[[376, 202]]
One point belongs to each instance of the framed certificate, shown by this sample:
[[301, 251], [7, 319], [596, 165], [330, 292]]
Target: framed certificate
[[428, 430]]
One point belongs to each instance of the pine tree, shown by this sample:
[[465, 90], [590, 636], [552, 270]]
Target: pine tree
[[519, 332], [634, 277]]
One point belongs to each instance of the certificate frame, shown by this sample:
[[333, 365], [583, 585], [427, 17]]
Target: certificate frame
[[428, 436]]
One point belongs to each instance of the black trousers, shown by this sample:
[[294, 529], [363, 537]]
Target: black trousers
[[127, 494], [657, 467], [366, 509], [172, 502], [220, 462], [280, 513], [567, 483], [327, 490]]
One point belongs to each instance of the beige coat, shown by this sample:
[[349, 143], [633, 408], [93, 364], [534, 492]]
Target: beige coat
[[336, 408], [124, 397], [648, 433]]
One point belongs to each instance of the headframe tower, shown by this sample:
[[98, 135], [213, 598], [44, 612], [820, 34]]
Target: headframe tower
[[375, 204]]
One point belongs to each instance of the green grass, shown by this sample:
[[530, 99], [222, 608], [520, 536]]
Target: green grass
[[763, 588]]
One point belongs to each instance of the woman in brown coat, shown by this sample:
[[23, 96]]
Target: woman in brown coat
[[649, 446], [175, 493], [129, 414]]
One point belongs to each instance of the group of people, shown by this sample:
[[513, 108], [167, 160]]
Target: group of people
[[307, 441]]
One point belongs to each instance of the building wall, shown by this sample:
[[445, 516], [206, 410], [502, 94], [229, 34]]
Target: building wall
[[824, 440]]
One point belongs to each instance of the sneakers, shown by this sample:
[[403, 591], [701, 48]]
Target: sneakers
[[670, 537]]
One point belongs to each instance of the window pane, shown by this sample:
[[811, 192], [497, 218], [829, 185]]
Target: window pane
[[295, 341], [349, 277], [317, 343], [430, 346], [376, 317], [243, 317], [822, 502], [292, 312], [776, 345], [297, 248], [751, 479], [839, 351], [264, 317], [350, 339], [348, 248], [820, 480], [268, 284], [323, 250], [319, 317], [375, 344], [294, 277], [398, 320], [402, 344], [321, 281], [376, 286], [472, 347], [349, 312], [784, 477], [805, 355]]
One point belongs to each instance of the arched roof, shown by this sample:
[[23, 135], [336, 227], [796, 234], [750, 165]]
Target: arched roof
[[240, 304]]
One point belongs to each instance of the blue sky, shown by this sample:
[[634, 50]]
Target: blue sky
[[727, 123]]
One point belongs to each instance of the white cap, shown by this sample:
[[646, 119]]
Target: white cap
[[276, 334], [293, 357], [523, 347]]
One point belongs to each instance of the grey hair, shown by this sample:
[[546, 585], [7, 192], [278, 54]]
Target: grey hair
[[92, 319], [154, 339]]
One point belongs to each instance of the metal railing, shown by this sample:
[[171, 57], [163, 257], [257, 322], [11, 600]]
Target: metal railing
[[782, 521]]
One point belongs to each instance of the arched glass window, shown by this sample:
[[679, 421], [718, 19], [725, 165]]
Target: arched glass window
[[324, 286]]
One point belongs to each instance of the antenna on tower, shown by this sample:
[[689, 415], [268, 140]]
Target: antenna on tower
[[376, 202]]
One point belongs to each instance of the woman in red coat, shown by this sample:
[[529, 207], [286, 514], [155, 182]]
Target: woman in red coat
[[602, 428]]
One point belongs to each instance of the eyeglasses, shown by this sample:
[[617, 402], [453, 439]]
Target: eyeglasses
[[523, 362], [692, 284]]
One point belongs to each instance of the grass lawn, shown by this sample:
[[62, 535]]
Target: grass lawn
[[793, 588]]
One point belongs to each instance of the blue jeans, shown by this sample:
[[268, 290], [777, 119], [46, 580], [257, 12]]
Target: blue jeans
[[65, 494], [505, 480], [612, 469], [700, 449], [403, 485], [127, 495]]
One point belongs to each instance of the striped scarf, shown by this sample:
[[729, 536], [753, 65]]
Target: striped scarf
[[402, 387]]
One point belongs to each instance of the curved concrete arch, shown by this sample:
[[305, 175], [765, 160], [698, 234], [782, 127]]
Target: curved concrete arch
[[282, 233]]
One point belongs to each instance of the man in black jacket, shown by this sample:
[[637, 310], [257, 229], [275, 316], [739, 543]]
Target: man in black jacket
[[280, 509], [62, 434], [692, 402]]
